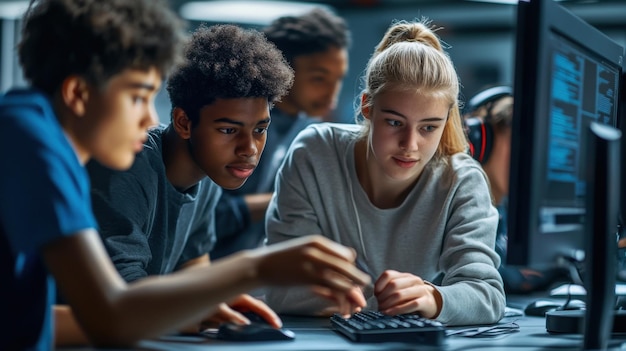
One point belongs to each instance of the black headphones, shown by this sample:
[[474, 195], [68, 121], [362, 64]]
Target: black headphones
[[479, 133]]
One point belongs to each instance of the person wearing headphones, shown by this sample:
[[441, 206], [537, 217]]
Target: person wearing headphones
[[488, 119]]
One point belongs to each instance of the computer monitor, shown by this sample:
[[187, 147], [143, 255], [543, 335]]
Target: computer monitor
[[567, 75]]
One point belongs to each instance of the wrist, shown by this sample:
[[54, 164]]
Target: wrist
[[437, 298]]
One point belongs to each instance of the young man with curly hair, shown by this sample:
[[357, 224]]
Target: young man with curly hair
[[95, 67], [158, 216], [316, 46]]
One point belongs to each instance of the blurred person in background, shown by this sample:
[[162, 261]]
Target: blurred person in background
[[488, 119]]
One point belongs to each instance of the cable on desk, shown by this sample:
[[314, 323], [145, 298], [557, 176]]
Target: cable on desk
[[485, 331]]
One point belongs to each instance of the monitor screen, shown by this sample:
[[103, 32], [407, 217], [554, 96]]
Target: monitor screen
[[567, 75]]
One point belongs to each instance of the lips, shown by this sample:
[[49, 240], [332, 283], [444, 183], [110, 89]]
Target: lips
[[404, 162], [325, 107], [241, 170], [138, 145]]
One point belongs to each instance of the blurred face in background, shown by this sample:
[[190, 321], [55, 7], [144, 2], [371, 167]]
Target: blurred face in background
[[118, 117], [318, 80]]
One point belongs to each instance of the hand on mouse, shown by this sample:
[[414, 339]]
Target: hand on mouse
[[231, 312]]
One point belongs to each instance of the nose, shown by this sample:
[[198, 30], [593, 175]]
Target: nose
[[410, 140], [335, 87], [333, 90], [151, 117], [246, 145]]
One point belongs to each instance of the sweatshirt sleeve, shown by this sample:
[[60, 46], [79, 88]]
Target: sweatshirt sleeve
[[472, 288], [290, 215]]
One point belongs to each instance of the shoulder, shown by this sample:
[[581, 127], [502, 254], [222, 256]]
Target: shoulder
[[460, 168], [322, 143], [324, 133], [150, 159], [25, 99], [29, 127], [147, 168], [29, 113], [462, 163]]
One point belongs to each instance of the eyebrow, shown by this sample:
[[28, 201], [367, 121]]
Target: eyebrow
[[429, 119], [232, 121], [138, 85]]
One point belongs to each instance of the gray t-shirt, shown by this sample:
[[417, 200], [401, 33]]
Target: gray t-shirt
[[443, 232], [147, 226]]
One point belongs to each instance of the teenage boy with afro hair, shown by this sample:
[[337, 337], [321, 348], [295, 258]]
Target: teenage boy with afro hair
[[95, 67], [158, 217], [316, 46]]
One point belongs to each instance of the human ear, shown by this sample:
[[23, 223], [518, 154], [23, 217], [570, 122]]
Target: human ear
[[181, 123], [365, 105], [75, 93]]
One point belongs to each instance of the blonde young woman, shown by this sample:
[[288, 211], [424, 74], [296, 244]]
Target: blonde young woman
[[400, 189]]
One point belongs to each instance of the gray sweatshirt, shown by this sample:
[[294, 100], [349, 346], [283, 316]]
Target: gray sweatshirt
[[443, 232]]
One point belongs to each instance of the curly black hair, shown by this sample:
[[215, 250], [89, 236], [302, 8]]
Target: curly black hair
[[227, 62], [97, 39], [313, 32]]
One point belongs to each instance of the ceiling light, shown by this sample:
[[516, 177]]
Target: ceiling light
[[509, 2], [249, 12], [13, 9], [512, 2]]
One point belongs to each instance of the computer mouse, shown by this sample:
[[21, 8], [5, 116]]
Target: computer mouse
[[253, 332], [574, 304], [541, 306]]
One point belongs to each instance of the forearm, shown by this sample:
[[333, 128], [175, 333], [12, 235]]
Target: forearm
[[184, 297], [112, 312], [468, 303], [257, 205], [202, 261], [296, 300]]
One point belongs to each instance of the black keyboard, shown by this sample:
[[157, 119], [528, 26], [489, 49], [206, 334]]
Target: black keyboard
[[375, 327]]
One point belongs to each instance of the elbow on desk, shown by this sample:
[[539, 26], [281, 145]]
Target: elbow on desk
[[114, 334], [486, 305], [113, 327]]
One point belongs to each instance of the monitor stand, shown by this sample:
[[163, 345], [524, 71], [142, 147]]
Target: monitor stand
[[573, 322], [601, 214]]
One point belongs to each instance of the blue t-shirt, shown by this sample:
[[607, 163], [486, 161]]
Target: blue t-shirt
[[44, 196]]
